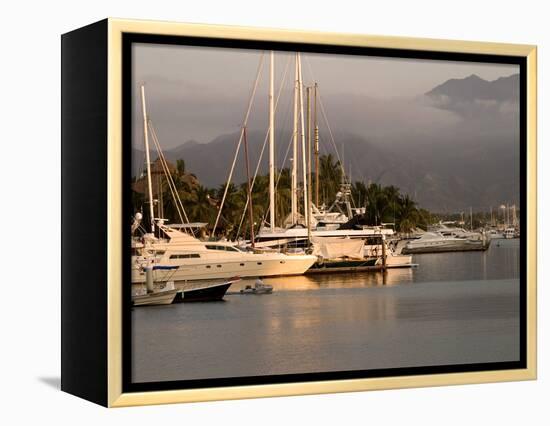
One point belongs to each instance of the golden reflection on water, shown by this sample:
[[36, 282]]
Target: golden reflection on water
[[341, 280]]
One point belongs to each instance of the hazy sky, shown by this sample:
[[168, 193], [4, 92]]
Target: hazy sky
[[200, 93]]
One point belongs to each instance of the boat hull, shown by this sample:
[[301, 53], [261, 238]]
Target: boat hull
[[210, 293], [466, 246], [399, 261], [156, 298], [195, 270], [333, 266]]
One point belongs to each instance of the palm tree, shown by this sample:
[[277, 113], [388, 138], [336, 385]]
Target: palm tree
[[408, 214], [393, 198], [232, 207], [359, 193], [330, 177], [180, 166], [199, 207], [377, 203]]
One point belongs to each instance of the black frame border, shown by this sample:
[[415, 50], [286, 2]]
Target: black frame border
[[129, 38]]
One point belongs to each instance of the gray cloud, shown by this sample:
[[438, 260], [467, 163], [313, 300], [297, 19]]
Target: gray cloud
[[446, 150]]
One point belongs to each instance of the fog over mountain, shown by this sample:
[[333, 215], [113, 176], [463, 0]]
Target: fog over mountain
[[450, 145]]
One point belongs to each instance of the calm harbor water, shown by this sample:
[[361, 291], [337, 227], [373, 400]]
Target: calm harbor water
[[453, 308]]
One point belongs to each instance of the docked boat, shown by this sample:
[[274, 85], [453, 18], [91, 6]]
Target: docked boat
[[495, 234], [298, 237], [436, 242], [204, 292], [150, 295], [199, 260], [161, 297], [191, 258], [345, 265], [510, 233], [394, 260], [342, 255], [159, 291]]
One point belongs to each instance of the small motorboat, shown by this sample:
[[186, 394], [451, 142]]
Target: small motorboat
[[162, 297], [259, 287], [151, 296]]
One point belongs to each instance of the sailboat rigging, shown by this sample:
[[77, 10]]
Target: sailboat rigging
[[194, 259]]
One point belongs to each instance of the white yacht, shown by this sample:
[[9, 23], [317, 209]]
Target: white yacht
[[298, 236], [434, 242], [495, 234], [510, 233], [199, 260], [195, 259]]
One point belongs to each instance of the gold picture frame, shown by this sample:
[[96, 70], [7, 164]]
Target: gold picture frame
[[115, 396]]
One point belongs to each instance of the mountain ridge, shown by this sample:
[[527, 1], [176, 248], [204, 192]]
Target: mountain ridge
[[470, 166]]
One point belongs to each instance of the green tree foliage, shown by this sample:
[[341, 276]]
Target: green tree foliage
[[386, 204], [383, 204]]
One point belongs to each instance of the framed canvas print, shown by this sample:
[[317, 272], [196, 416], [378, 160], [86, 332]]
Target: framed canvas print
[[250, 212]]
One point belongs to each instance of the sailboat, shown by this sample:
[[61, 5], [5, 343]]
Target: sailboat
[[195, 259], [318, 223]]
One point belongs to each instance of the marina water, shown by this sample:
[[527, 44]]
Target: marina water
[[454, 308]]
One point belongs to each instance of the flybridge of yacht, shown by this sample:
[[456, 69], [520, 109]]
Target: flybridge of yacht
[[302, 233], [190, 225]]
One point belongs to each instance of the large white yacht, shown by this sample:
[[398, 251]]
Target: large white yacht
[[196, 259], [298, 236], [199, 260], [433, 242]]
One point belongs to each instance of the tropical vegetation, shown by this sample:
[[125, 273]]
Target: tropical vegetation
[[382, 204]]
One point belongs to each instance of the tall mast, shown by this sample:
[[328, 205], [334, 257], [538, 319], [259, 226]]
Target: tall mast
[[308, 92], [304, 177], [316, 145], [250, 210], [294, 173], [271, 147], [147, 159]]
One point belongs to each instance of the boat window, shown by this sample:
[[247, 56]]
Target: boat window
[[185, 256], [221, 247]]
